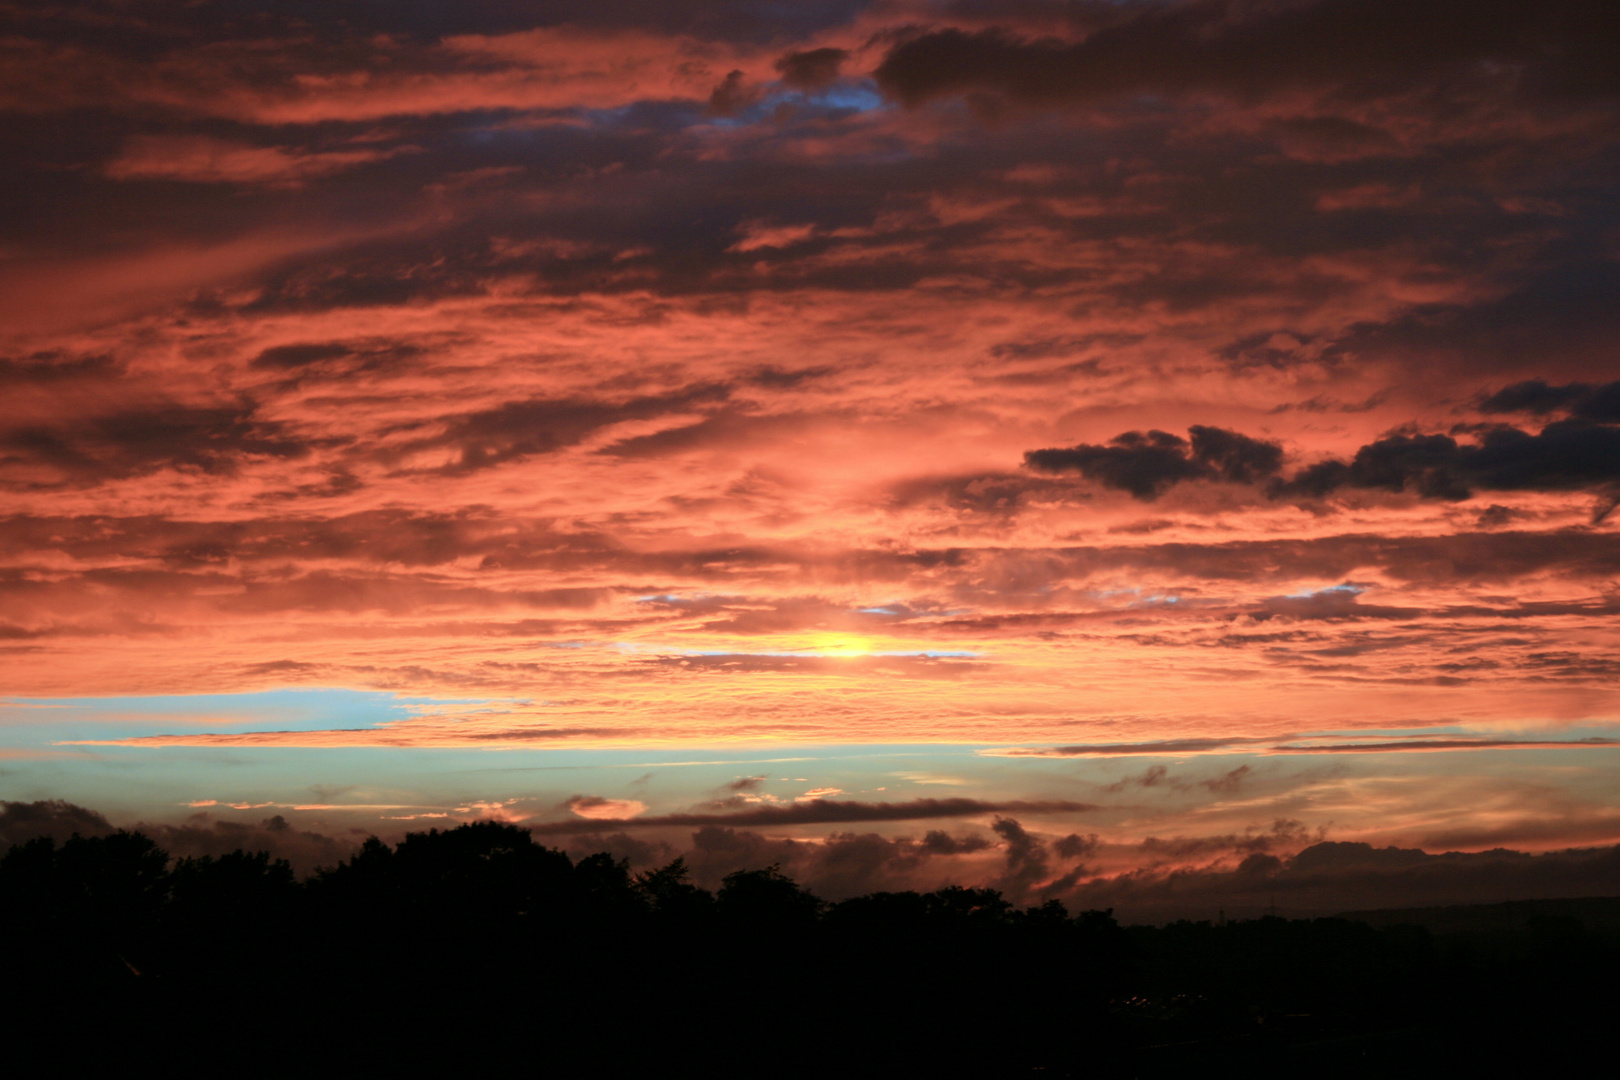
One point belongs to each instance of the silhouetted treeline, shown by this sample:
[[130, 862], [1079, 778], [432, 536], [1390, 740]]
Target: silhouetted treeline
[[478, 945]]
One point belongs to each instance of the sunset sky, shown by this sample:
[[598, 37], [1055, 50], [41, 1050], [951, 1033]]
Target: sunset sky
[[1032, 443]]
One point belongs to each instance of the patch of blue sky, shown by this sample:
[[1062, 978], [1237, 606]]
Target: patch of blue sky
[[1353, 590], [1140, 599], [860, 96], [302, 709], [311, 785], [843, 98]]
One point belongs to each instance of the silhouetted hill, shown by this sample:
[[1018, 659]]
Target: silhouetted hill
[[1598, 914]]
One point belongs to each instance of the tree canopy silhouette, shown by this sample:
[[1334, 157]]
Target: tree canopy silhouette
[[947, 982]]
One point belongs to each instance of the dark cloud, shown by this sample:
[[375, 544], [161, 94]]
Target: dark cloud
[[1282, 744], [1027, 858], [746, 783], [1586, 401], [209, 440], [59, 820], [336, 358], [1482, 556], [939, 842], [1152, 777], [45, 368], [1234, 457], [1364, 47], [812, 69], [639, 852], [718, 850], [1075, 846], [1145, 465], [332, 33], [1418, 745], [1330, 877], [587, 802], [1566, 455], [1229, 782], [520, 429], [1164, 746], [733, 95], [827, 811], [1283, 832], [199, 835], [1340, 602], [993, 494]]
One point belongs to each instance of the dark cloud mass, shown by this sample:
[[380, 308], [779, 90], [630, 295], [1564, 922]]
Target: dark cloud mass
[[812, 69], [828, 811], [1337, 876], [1145, 465], [1363, 47], [1564, 455], [123, 444], [53, 818], [1600, 403], [199, 835]]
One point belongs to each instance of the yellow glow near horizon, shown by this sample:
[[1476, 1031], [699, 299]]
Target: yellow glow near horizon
[[832, 643]]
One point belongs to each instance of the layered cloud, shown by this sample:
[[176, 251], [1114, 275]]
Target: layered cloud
[[1182, 375]]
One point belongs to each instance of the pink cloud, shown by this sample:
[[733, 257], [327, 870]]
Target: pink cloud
[[199, 159], [597, 808]]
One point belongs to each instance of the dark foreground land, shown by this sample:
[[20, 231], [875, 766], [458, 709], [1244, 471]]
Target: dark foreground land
[[477, 948]]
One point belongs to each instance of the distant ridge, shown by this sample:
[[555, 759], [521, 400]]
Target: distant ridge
[[1596, 913]]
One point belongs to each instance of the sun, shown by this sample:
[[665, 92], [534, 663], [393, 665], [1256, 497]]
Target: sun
[[831, 643]]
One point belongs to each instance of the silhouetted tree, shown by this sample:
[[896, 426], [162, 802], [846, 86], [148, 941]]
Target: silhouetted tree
[[950, 982]]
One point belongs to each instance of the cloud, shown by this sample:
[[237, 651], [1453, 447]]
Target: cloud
[[53, 818], [200, 159], [1285, 744], [1362, 47], [1152, 777], [1075, 846], [1565, 455], [597, 808], [213, 440], [825, 811], [939, 842], [1418, 745], [1165, 746], [1585, 401], [518, 429], [733, 95], [1330, 877], [812, 69], [1026, 858], [1145, 465], [199, 835]]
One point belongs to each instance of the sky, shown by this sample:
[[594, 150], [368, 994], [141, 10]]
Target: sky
[[1101, 450]]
